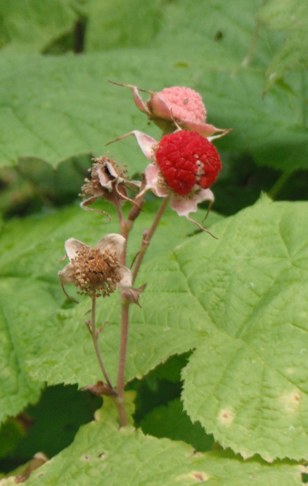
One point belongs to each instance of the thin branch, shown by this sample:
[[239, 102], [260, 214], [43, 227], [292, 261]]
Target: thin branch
[[118, 400], [123, 348], [147, 238], [279, 185]]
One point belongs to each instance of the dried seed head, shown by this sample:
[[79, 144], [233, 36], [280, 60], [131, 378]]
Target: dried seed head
[[95, 271], [105, 172]]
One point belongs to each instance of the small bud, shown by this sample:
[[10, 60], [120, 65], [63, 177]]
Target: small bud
[[100, 388], [133, 294]]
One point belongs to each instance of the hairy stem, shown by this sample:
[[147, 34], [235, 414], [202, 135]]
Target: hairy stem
[[147, 238]]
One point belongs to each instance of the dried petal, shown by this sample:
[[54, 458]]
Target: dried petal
[[114, 241], [108, 181], [67, 275], [72, 246], [184, 205], [145, 142], [126, 278]]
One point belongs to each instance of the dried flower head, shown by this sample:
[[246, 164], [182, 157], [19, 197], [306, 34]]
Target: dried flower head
[[96, 271], [175, 107], [183, 165], [108, 181]]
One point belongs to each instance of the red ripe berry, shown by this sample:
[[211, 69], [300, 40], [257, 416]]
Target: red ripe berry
[[185, 159]]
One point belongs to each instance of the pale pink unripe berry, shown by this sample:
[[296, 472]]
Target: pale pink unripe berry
[[176, 107], [183, 103]]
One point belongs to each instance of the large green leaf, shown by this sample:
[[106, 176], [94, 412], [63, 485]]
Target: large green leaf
[[241, 301], [133, 23], [172, 422], [30, 289], [32, 247], [31, 26], [246, 383], [102, 452], [56, 419], [24, 306], [290, 16], [54, 108]]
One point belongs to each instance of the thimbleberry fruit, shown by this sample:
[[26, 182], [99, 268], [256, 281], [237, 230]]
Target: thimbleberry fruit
[[184, 103], [186, 159], [176, 107]]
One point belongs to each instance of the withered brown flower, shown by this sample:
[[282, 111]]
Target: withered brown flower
[[108, 181], [96, 271]]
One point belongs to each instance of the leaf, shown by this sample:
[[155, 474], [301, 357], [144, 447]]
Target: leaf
[[47, 112], [24, 306], [11, 432], [290, 16], [33, 184], [55, 419], [57, 185], [172, 422], [33, 247], [241, 302], [103, 452], [171, 369], [31, 292], [30, 26], [246, 382], [136, 25]]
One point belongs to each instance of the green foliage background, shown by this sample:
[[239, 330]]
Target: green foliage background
[[217, 353]]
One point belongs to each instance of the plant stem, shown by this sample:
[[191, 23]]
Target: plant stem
[[123, 347], [124, 232], [121, 410], [147, 238], [279, 184], [95, 335], [125, 302], [118, 400], [126, 227]]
